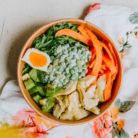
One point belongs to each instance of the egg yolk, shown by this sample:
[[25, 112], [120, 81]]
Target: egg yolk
[[37, 59]]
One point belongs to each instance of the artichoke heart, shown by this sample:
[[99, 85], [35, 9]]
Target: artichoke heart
[[90, 91], [81, 92], [71, 87], [101, 83], [74, 111], [90, 103], [86, 81], [95, 110], [61, 106]]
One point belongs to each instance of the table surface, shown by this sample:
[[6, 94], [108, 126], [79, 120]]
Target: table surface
[[19, 19]]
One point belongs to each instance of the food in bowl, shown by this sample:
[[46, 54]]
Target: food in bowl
[[70, 71]]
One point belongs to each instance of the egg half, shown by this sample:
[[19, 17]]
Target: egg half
[[36, 59]]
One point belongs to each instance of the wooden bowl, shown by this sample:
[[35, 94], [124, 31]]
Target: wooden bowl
[[26, 94]]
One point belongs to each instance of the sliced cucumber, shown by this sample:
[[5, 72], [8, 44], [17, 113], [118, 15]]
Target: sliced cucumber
[[48, 104], [54, 92], [37, 98], [29, 84], [33, 74], [37, 89]]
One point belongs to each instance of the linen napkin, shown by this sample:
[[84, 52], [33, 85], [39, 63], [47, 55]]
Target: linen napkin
[[121, 24]]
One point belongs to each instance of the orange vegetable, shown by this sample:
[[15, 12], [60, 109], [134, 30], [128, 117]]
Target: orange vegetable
[[101, 71], [103, 67], [107, 50], [113, 54], [115, 59], [92, 60], [83, 31], [98, 51], [109, 64], [73, 34], [108, 87], [93, 56], [92, 64]]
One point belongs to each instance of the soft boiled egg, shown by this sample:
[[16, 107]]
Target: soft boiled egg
[[36, 59]]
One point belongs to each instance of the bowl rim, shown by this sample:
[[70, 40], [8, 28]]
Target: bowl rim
[[49, 24]]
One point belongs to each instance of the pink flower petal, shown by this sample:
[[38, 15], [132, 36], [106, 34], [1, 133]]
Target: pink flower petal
[[102, 126]]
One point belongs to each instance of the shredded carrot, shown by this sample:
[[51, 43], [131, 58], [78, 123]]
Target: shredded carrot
[[88, 71], [98, 50], [115, 59], [113, 54], [92, 60], [73, 34], [93, 56], [109, 64], [107, 50], [103, 67], [92, 64], [101, 71], [82, 30], [107, 91]]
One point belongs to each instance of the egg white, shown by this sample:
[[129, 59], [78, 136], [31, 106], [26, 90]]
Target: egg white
[[26, 59]]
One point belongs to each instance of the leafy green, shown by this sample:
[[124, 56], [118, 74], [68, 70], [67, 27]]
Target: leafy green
[[124, 106], [52, 30], [48, 38], [41, 76], [38, 77], [61, 40], [26, 69]]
